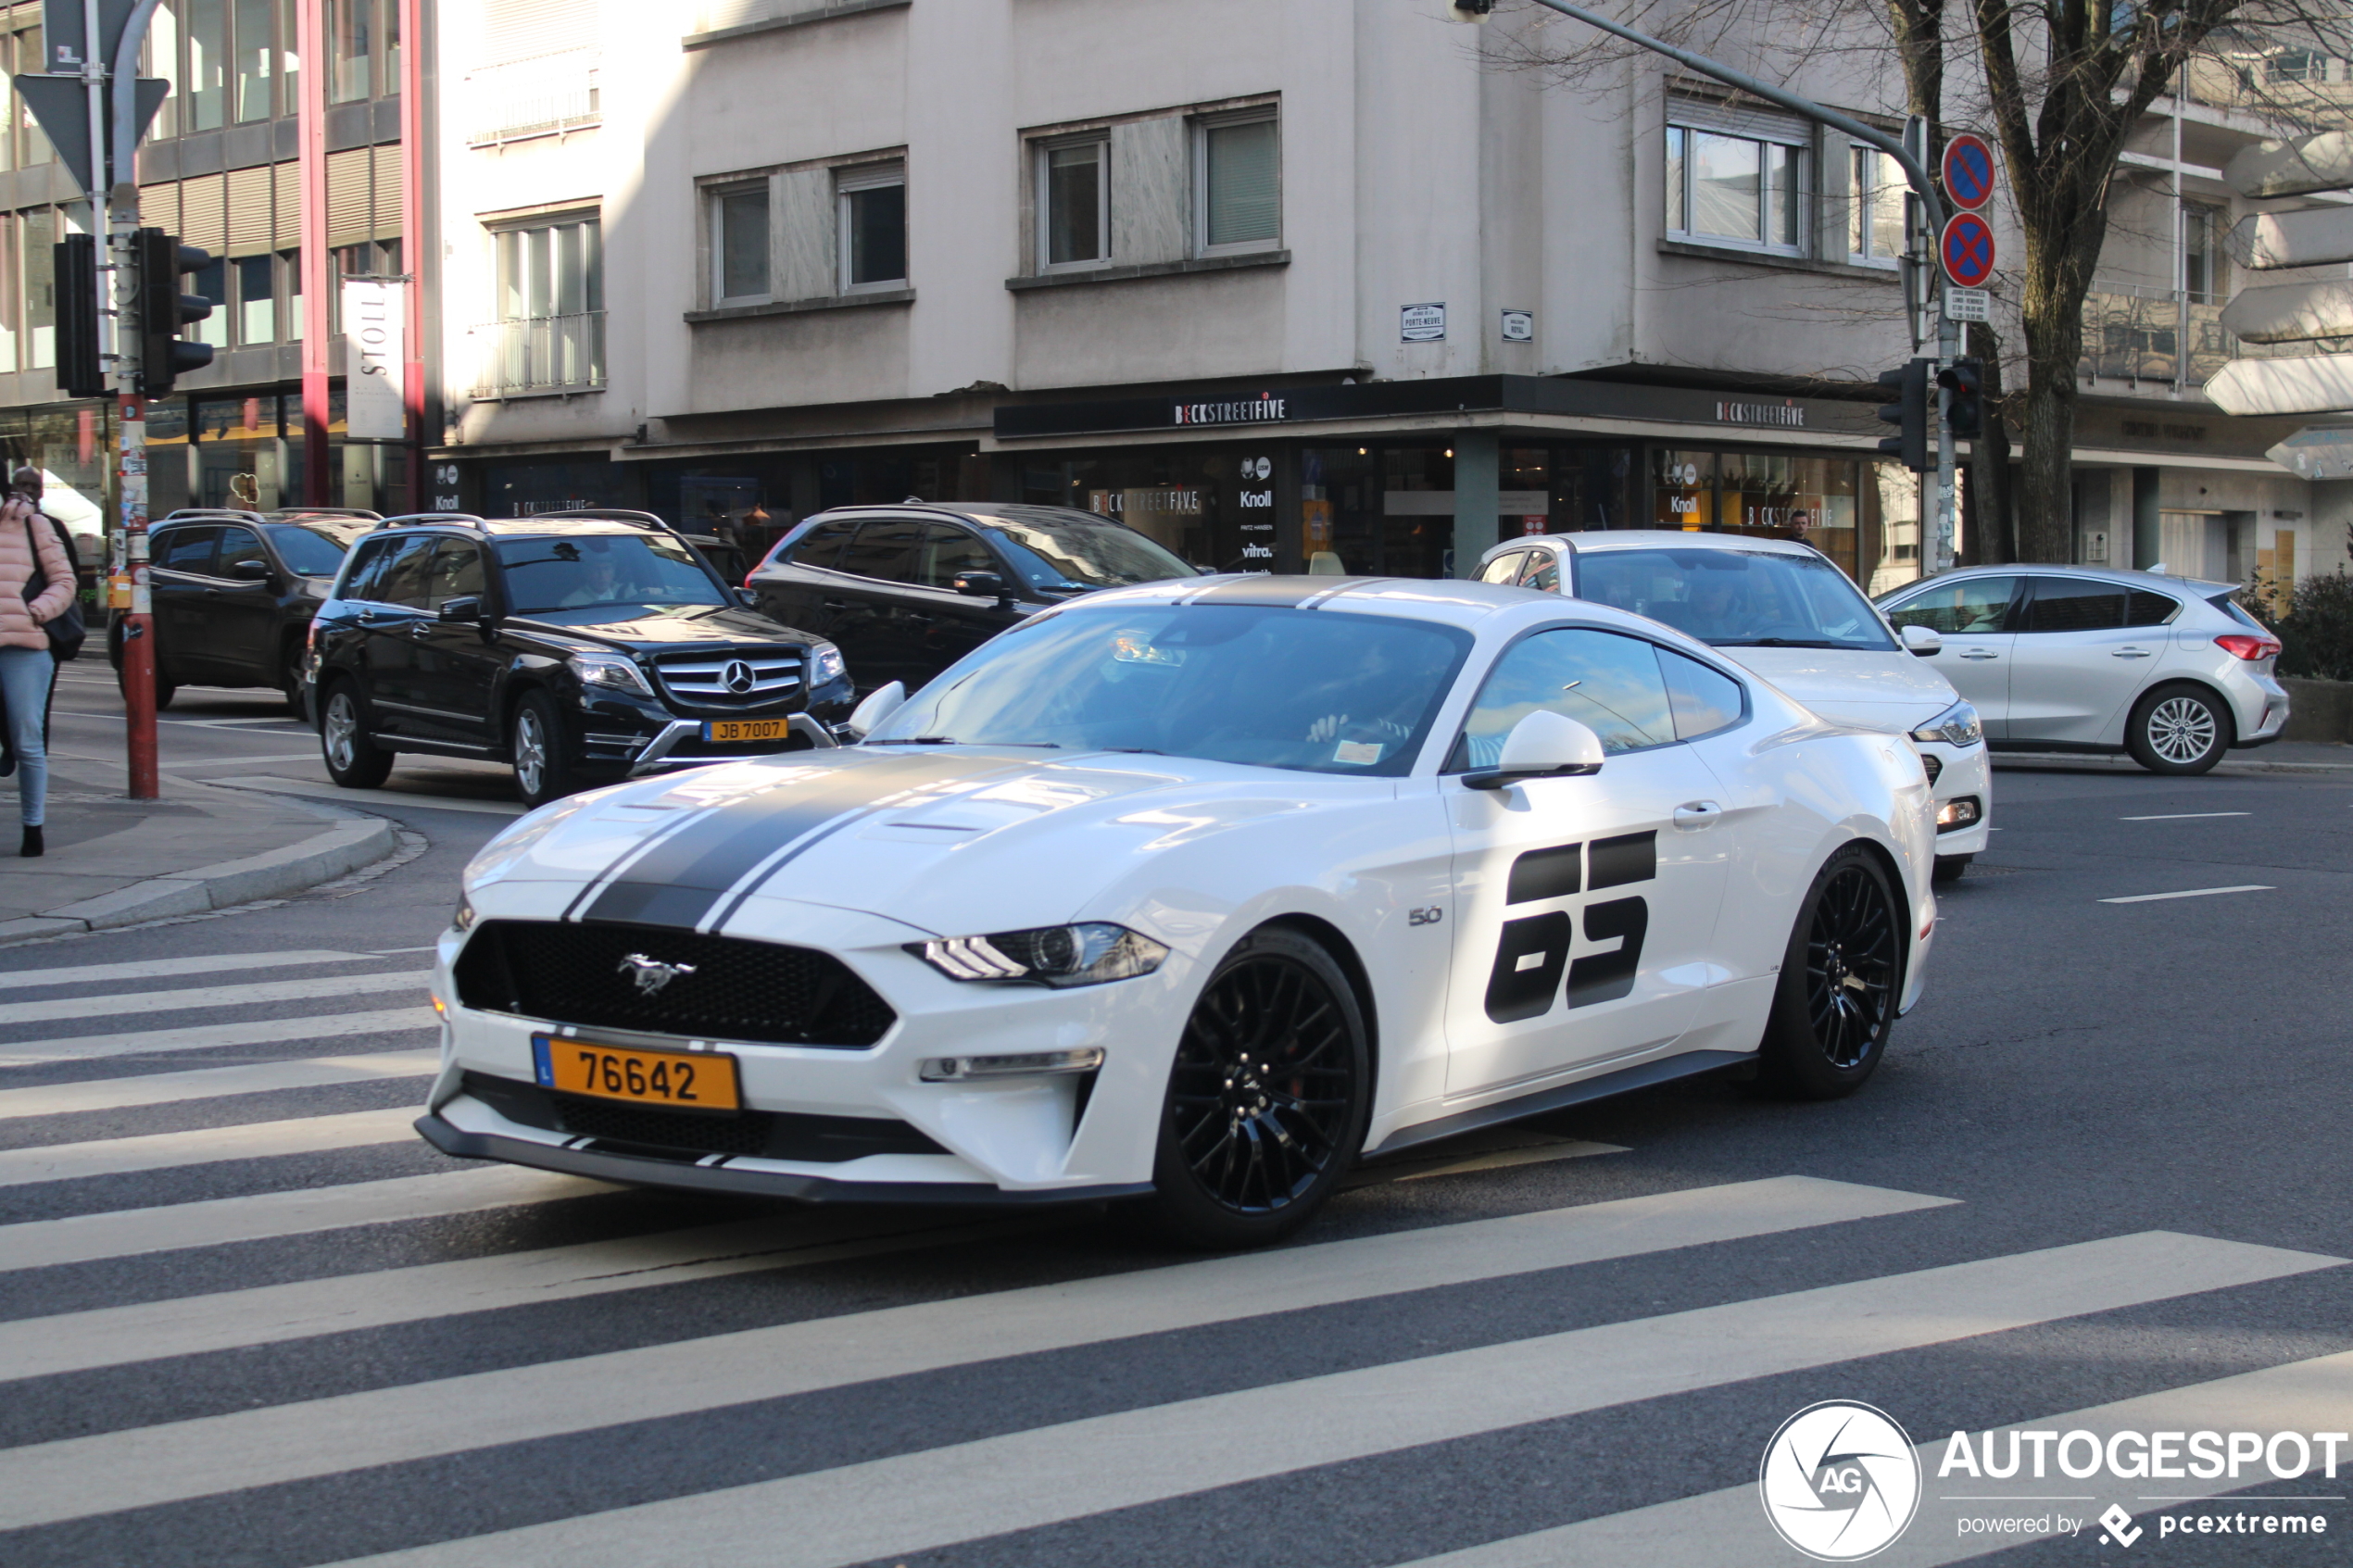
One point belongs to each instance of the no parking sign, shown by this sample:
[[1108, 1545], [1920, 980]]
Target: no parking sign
[[1967, 249], [1968, 172]]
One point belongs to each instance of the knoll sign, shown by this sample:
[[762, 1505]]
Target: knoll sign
[[1452, 394]]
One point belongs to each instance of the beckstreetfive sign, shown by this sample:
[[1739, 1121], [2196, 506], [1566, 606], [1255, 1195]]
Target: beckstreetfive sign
[[1263, 409]]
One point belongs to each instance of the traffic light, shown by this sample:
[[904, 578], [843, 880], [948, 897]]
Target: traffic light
[[1908, 414], [79, 371], [1963, 377], [163, 310]]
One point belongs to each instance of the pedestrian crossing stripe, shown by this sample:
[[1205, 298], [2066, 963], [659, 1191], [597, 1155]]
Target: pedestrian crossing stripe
[[209, 1037], [203, 1145], [197, 997], [212, 1082]]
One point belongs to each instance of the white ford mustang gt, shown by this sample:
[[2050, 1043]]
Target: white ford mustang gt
[[1194, 892]]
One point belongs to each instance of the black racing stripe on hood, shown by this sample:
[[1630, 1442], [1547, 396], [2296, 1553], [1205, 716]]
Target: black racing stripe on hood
[[678, 880]]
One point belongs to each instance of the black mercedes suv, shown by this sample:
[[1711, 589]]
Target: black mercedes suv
[[580, 648], [234, 592]]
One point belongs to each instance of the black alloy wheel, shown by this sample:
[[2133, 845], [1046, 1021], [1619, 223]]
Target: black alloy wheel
[[1268, 1098], [1835, 1004]]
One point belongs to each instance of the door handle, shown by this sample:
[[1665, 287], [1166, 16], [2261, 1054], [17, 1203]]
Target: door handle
[[1692, 815], [420, 628], [1980, 654], [2130, 653], [833, 603], [366, 618]]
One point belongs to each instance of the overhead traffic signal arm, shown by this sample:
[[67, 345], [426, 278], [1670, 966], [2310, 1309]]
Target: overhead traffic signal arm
[[1909, 415], [164, 311]]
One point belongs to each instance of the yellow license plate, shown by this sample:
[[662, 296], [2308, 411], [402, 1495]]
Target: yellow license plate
[[745, 729], [683, 1081]]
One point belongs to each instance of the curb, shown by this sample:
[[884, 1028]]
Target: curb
[[2048, 763], [353, 842]]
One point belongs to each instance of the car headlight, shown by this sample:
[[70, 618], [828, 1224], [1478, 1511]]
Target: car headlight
[[463, 919], [610, 672], [825, 664], [1956, 725], [1053, 955]]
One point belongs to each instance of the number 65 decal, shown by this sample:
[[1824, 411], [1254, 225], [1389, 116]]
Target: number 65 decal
[[1532, 952]]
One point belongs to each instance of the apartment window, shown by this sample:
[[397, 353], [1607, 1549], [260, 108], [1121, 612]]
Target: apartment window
[[1237, 184], [1073, 188], [1875, 211], [206, 83], [253, 278], [256, 51], [350, 49], [31, 147], [874, 227], [739, 243], [550, 331], [39, 228], [212, 283], [1739, 190], [2201, 257]]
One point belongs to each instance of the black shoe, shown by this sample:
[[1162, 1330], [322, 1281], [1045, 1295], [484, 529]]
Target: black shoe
[[32, 846]]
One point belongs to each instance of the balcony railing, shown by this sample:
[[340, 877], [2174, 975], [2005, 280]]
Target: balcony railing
[[536, 97], [2136, 333], [541, 354]]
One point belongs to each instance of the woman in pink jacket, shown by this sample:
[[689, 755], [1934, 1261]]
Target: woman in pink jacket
[[29, 549]]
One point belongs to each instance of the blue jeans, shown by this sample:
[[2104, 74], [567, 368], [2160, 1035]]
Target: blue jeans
[[25, 674]]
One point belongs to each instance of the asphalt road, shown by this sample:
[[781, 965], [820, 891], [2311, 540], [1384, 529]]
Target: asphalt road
[[247, 1318]]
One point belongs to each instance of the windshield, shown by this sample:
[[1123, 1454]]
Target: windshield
[[315, 549], [1736, 599], [1327, 692], [552, 573], [1082, 554]]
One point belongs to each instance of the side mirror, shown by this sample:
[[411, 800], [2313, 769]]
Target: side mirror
[[982, 586], [1923, 642], [1544, 745], [251, 572], [879, 705], [749, 599], [466, 607]]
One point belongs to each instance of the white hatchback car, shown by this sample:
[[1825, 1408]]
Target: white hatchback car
[[2084, 659], [1781, 610]]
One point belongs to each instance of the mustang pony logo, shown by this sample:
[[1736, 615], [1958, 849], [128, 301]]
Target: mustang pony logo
[[652, 974]]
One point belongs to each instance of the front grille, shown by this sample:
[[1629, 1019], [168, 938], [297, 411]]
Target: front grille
[[1935, 766], [718, 680], [771, 1135], [739, 990]]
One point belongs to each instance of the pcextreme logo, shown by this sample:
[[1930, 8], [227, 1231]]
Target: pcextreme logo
[[1840, 1481]]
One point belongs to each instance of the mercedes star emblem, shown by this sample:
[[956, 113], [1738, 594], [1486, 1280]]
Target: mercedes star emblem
[[739, 677]]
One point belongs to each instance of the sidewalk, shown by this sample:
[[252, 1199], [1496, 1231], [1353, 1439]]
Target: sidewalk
[[2318, 759], [116, 861]]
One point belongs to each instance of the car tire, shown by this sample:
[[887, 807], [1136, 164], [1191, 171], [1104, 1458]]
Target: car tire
[[1842, 978], [2179, 729], [543, 766], [1267, 1099], [353, 760], [1950, 867], [290, 678]]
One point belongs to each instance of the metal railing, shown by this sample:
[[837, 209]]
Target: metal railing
[[536, 97], [2132, 333], [541, 354]]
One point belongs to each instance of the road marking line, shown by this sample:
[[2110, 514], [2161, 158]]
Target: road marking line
[[2191, 893], [160, 969], [212, 1082], [203, 1037], [894, 1508], [269, 1216], [190, 1325], [210, 997], [385, 796], [85, 1475], [2185, 816], [205, 1146], [1727, 1526]]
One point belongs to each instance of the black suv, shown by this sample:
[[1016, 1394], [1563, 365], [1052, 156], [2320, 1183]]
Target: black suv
[[234, 592], [906, 591], [582, 647]]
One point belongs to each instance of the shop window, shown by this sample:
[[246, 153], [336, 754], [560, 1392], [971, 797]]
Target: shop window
[[1596, 488], [1074, 203], [1683, 489], [739, 243], [874, 227], [1776, 497], [1237, 183], [1875, 209], [1746, 191]]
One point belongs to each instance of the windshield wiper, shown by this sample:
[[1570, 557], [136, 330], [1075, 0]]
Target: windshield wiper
[[1779, 642], [1134, 750]]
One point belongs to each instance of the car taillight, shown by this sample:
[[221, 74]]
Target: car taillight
[[2245, 647]]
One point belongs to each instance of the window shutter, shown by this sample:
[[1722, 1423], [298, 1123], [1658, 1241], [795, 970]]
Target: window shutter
[[348, 197], [523, 30], [389, 175], [1745, 119], [1243, 202], [289, 185], [159, 206], [202, 223], [248, 221]]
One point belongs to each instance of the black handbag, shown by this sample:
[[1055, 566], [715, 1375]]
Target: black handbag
[[67, 632]]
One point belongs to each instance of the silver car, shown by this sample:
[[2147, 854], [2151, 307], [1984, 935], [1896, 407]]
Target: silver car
[[2083, 658]]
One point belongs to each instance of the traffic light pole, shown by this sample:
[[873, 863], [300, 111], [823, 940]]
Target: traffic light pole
[[129, 593], [1915, 174]]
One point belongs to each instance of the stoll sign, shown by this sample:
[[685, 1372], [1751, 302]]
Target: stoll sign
[[372, 329]]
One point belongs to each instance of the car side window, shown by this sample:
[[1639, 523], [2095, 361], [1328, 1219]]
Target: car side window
[[1974, 604], [1544, 573], [822, 545], [237, 545], [1608, 683], [187, 549], [885, 549], [2074, 604], [1704, 700], [367, 567], [2143, 608], [456, 572], [1504, 569], [403, 582], [947, 550]]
